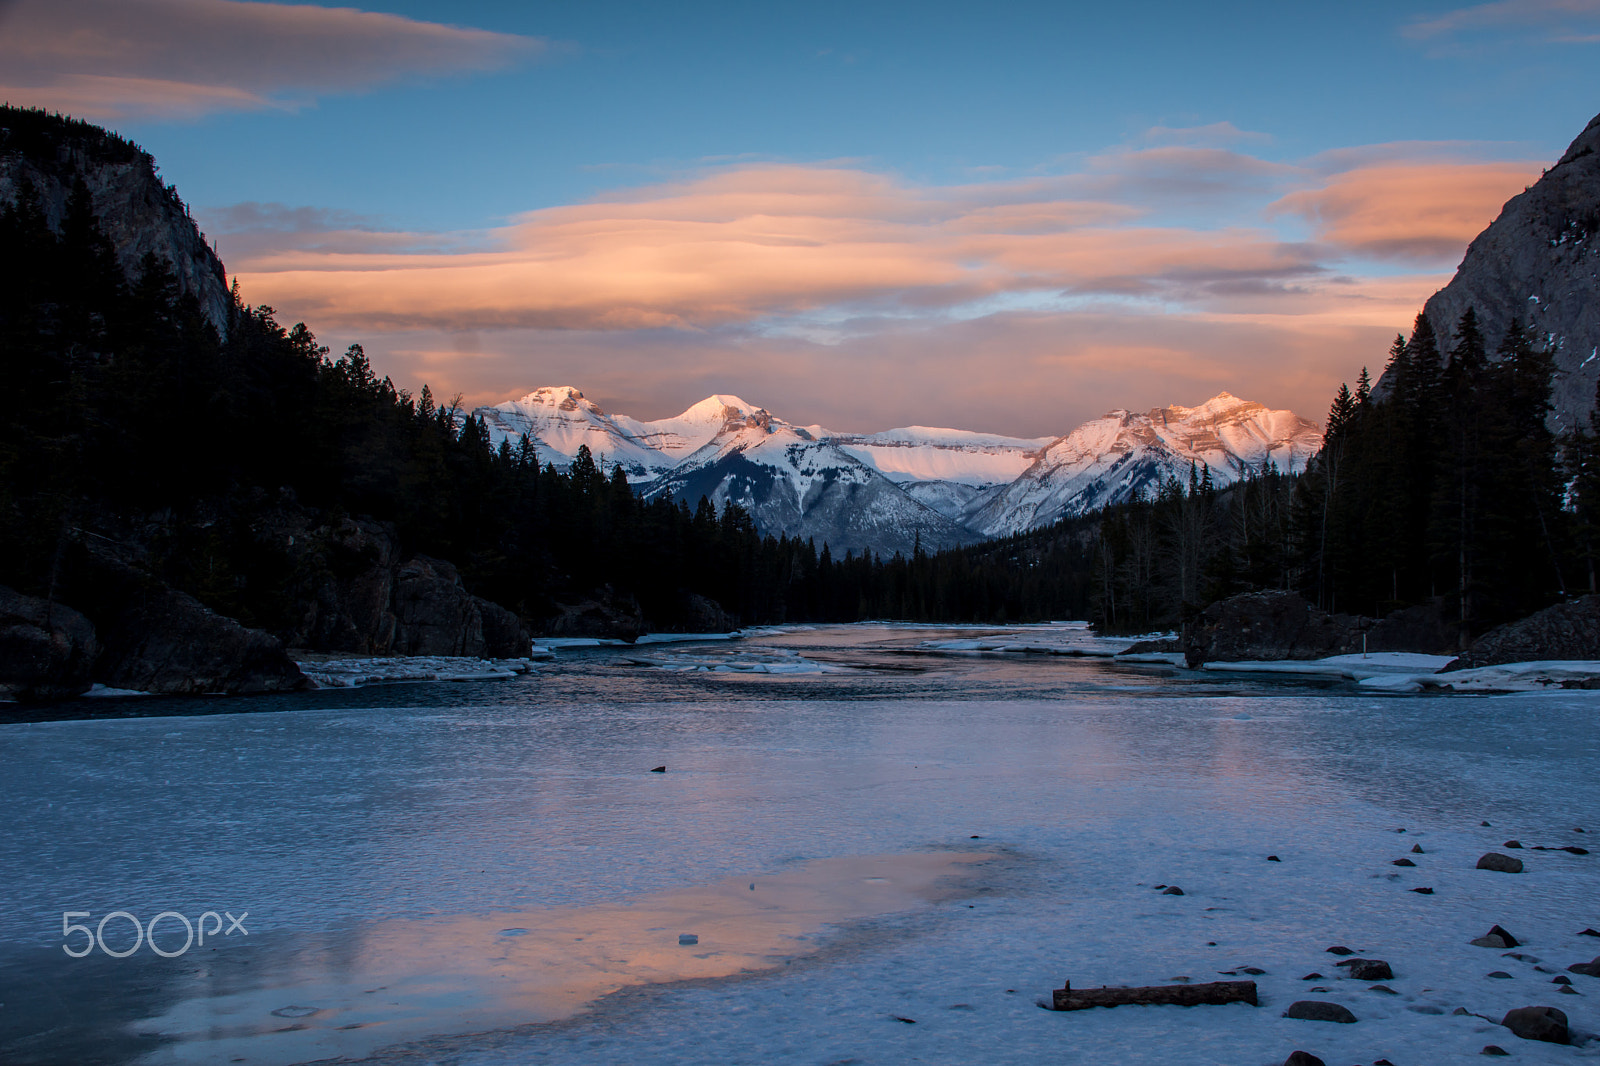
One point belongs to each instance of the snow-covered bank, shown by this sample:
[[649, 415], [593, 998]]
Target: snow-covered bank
[[1507, 677], [354, 673], [1382, 665], [1055, 638]]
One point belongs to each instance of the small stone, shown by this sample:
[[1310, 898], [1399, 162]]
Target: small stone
[[1500, 931], [1483, 823], [1499, 975], [688, 939], [1562, 980], [1504, 864], [1590, 932], [1313, 976], [1386, 990], [1303, 1058], [1416, 849], [658, 770], [1320, 1010], [1458, 1011], [1568, 990], [1253, 971], [1490, 942], [1402, 862], [1512, 844], [1493, 1049], [1381, 1062], [1172, 890], [1423, 891], [1369, 970], [1576, 851], [1588, 969], [975, 836], [1538, 1023], [1340, 949], [900, 1018], [1273, 858]]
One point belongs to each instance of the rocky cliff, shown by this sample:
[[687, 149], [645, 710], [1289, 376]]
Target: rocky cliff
[[42, 156], [1539, 263]]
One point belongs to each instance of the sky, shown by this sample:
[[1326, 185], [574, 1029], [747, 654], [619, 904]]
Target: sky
[[1008, 217]]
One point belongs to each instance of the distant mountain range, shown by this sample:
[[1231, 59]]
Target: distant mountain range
[[887, 491]]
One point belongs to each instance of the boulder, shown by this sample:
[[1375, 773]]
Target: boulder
[[606, 615], [1504, 864], [1369, 969], [1303, 1058], [1319, 1010], [1538, 1023], [47, 651], [163, 640], [436, 615], [1565, 631], [1269, 626], [701, 614], [1588, 969], [1424, 629]]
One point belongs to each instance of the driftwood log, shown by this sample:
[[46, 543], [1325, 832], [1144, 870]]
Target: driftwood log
[[1175, 995]]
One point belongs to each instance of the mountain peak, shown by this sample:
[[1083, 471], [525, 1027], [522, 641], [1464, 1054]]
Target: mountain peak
[[564, 397]]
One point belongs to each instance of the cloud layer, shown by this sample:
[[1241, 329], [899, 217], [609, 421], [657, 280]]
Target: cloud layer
[[1148, 275], [112, 59]]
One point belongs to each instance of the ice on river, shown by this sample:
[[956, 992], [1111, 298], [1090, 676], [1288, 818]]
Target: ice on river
[[419, 861]]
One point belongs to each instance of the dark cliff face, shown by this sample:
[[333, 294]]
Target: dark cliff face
[[1539, 262], [136, 210]]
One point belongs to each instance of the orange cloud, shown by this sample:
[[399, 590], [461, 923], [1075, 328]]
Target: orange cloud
[[110, 59], [1415, 211], [751, 242]]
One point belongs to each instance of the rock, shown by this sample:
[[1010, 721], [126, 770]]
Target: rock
[[1385, 989], [1312, 976], [1504, 864], [1538, 1023], [1500, 931], [1416, 849], [1588, 969], [1172, 890], [1561, 979], [1493, 1049], [1513, 844], [1402, 862], [658, 769], [1565, 631], [1303, 1058], [701, 614], [1423, 891], [1340, 949], [1271, 626], [1319, 1010], [1590, 932], [1273, 858], [1499, 975], [688, 939], [1143, 646], [1572, 850], [607, 615], [163, 640], [47, 651], [1369, 969], [1568, 990], [436, 615], [1253, 971], [1490, 941]]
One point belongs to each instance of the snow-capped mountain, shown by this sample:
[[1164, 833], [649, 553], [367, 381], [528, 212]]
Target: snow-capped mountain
[[792, 481], [886, 490], [1109, 459]]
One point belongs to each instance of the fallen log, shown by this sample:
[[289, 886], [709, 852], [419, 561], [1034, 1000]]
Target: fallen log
[[1215, 992]]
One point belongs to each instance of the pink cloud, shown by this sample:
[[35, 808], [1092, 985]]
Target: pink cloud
[[111, 59], [1424, 212], [1556, 17]]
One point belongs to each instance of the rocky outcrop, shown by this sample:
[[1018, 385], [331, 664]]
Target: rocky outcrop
[[1565, 631], [606, 615], [362, 597], [138, 213], [701, 614], [47, 651], [167, 641], [1269, 626], [1538, 263]]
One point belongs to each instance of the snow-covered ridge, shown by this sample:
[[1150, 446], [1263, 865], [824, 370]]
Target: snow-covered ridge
[[886, 491]]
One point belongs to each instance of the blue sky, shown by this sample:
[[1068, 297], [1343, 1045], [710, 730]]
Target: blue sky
[[1127, 205]]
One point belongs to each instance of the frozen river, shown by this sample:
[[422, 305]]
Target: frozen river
[[882, 854]]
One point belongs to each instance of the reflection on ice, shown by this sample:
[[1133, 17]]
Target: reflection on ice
[[404, 980]]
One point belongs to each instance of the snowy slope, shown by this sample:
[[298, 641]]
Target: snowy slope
[[792, 481], [1110, 458], [558, 420], [883, 490]]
